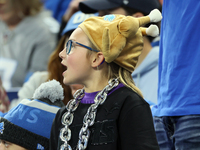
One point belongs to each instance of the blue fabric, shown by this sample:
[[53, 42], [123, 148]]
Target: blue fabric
[[179, 59], [58, 7], [178, 133], [36, 120], [156, 43], [76, 19], [12, 94], [28, 75], [2, 114]]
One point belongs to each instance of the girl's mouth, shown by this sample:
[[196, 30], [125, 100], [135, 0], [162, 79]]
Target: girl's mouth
[[65, 67]]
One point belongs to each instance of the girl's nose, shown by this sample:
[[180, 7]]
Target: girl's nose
[[62, 54]]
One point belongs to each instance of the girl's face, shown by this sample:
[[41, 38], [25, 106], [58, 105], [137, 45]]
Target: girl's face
[[77, 64], [4, 145]]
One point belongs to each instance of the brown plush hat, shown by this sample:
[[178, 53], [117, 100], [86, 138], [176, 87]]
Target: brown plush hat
[[2, 1], [119, 37]]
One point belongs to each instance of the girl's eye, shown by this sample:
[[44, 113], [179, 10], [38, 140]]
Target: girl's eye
[[6, 144]]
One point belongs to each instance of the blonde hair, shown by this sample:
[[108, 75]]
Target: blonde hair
[[27, 7], [115, 71]]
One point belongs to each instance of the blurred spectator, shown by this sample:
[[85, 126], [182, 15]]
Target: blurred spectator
[[27, 38], [4, 100], [55, 68], [177, 115], [146, 72]]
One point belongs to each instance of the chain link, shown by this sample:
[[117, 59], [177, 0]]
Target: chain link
[[67, 119], [88, 120]]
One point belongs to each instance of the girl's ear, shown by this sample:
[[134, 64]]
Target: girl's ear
[[97, 59]]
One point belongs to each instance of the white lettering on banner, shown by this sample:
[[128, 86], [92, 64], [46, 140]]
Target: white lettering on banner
[[81, 17], [22, 112], [7, 69], [32, 116]]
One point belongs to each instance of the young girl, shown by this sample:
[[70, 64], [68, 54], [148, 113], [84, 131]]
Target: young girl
[[109, 113], [55, 68]]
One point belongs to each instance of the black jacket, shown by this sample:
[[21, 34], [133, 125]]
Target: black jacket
[[123, 122]]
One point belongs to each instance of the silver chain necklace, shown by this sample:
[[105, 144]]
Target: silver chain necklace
[[88, 120]]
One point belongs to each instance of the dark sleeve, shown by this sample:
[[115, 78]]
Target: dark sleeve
[[53, 143], [136, 127]]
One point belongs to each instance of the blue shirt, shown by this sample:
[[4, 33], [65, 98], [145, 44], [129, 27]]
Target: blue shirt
[[179, 59]]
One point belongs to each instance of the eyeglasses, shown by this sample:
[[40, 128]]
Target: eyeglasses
[[69, 46]]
